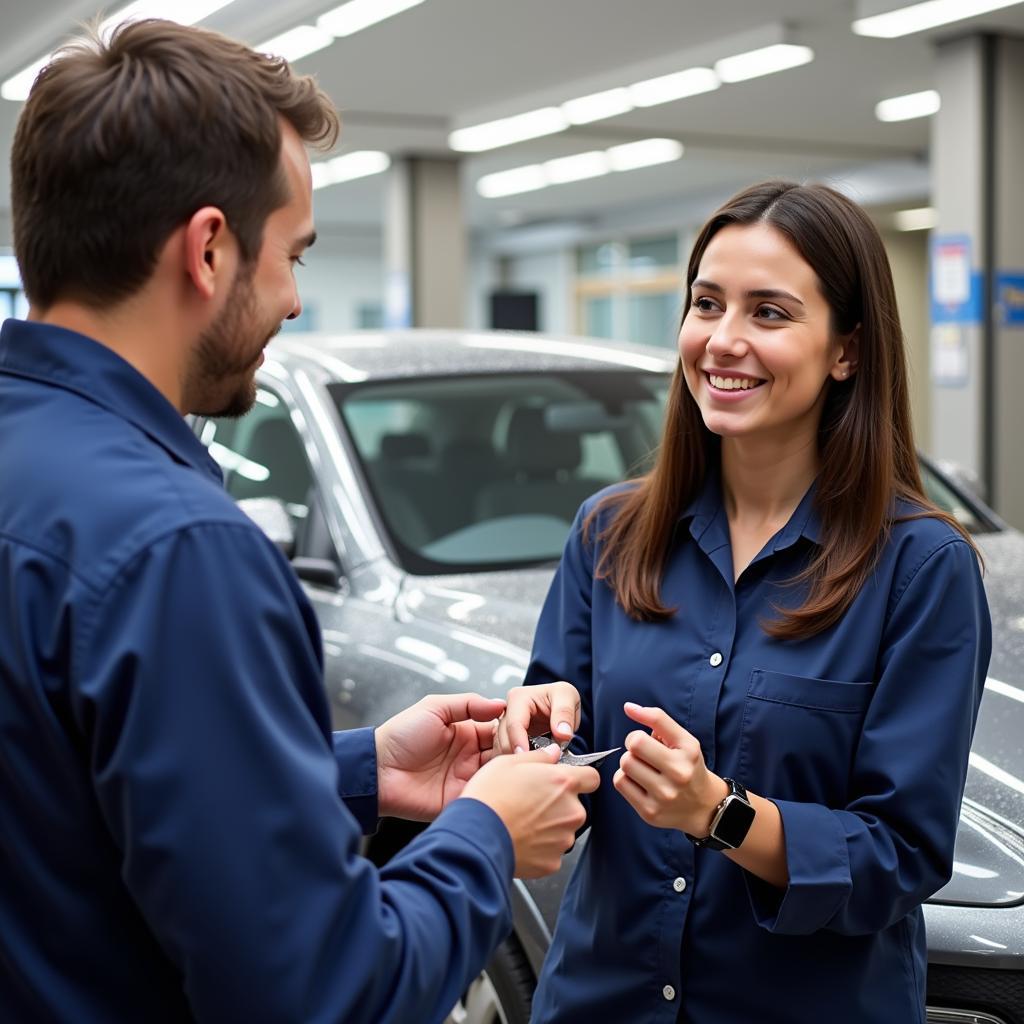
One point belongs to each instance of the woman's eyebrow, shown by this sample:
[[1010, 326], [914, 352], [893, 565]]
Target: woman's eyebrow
[[755, 293]]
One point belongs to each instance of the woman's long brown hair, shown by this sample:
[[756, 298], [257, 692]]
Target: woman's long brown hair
[[865, 438]]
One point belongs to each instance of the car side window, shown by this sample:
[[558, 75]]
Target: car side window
[[263, 456]]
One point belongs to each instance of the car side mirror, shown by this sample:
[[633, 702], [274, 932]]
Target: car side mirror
[[271, 516]]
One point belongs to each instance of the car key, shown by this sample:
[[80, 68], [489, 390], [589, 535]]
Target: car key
[[577, 760]]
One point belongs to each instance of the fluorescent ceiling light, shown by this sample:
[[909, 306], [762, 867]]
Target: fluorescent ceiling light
[[766, 61], [512, 182], [597, 106], [918, 17], [576, 168], [592, 164], [905, 108], [645, 153], [184, 12], [349, 166], [923, 218], [677, 86], [18, 86], [297, 42], [506, 130], [359, 14]]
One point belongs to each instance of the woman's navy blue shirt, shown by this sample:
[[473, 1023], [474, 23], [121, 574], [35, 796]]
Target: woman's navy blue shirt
[[860, 735]]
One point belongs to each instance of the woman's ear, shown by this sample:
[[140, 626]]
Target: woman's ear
[[845, 365]]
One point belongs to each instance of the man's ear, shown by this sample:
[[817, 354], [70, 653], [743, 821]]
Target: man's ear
[[845, 365], [210, 251]]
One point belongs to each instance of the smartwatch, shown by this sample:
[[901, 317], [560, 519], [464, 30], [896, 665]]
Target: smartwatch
[[731, 821]]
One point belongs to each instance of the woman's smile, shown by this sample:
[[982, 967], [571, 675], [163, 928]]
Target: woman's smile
[[731, 387]]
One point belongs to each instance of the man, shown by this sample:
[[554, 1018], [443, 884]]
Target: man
[[174, 839]]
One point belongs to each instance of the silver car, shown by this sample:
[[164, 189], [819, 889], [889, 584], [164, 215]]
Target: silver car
[[422, 484]]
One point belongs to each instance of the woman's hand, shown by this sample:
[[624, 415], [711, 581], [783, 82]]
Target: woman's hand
[[663, 775], [532, 710]]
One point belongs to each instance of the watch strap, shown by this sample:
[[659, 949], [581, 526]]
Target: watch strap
[[711, 841]]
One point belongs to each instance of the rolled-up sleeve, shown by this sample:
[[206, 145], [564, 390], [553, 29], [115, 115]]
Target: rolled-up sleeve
[[208, 732], [859, 868]]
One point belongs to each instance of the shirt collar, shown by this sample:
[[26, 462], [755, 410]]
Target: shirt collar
[[706, 503], [73, 362]]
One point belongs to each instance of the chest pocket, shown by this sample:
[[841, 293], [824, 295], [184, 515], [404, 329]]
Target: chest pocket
[[800, 735]]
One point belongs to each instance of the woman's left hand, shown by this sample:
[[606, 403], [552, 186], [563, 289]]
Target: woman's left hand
[[664, 777]]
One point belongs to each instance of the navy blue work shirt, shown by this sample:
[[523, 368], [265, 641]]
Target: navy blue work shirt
[[174, 838], [860, 735]]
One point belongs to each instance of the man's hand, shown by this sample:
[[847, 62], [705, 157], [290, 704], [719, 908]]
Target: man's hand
[[427, 753], [532, 710], [664, 777], [539, 803]]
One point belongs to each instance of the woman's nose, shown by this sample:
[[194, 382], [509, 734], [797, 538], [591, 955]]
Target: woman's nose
[[727, 338]]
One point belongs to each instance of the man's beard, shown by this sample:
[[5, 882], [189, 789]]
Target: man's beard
[[221, 380]]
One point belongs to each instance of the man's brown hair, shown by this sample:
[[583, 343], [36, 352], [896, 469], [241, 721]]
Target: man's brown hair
[[121, 141]]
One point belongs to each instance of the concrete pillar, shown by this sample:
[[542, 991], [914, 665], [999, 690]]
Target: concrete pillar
[[424, 244], [1008, 285], [977, 259]]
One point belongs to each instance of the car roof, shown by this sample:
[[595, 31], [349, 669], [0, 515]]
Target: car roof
[[358, 356]]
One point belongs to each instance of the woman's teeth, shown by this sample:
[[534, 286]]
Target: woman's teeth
[[733, 383]]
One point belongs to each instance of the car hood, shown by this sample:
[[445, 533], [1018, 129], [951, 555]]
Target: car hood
[[503, 606], [989, 858]]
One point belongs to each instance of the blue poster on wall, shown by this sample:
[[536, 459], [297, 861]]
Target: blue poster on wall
[[956, 288], [1010, 298]]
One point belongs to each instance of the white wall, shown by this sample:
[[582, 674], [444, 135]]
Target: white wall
[[343, 270]]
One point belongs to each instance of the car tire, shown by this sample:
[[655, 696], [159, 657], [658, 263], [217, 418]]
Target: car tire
[[501, 994]]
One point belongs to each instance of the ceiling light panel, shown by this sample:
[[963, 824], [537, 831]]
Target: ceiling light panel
[[904, 21], [645, 153], [512, 182], [348, 167], [506, 130], [598, 106], [297, 42], [576, 168], [905, 108], [184, 12], [359, 14], [765, 61], [628, 157], [676, 86]]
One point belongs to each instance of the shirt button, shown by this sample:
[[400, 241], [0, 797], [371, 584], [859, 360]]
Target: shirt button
[[669, 992], [679, 884], [715, 659]]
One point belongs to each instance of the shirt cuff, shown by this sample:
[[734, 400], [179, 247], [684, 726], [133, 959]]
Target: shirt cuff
[[355, 753], [819, 873]]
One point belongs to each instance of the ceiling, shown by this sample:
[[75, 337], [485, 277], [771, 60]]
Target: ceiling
[[403, 84]]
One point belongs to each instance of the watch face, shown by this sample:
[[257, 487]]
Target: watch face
[[734, 821]]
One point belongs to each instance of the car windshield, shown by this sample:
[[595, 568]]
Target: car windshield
[[473, 473], [487, 472]]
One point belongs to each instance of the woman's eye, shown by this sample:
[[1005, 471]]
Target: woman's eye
[[704, 304], [771, 313]]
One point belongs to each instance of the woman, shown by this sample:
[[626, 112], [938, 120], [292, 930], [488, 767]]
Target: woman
[[802, 636]]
